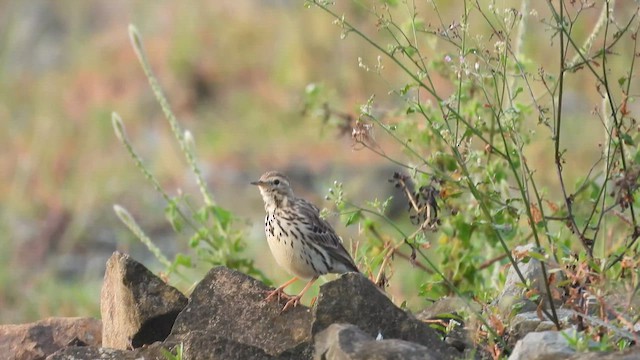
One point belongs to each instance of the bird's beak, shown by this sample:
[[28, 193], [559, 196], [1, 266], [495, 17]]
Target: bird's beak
[[259, 182]]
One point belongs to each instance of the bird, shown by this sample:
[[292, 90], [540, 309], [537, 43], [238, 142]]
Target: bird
[[300, 240]]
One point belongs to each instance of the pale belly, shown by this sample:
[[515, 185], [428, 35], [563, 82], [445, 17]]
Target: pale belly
[[289, 256]]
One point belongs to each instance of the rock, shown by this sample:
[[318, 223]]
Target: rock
[[137, 307], [197, 345], [447, 305], [527, 322], [153, 352], [302, 351], [200, 345], [353, 299], [546, 345], [513, 293], [90, 352], [39, 339], [339, 341], [348, 342], [442, 312], [458, 337], [231, 305], [632, 353]]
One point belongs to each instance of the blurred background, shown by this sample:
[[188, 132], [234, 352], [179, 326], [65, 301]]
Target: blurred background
[[235, 73]]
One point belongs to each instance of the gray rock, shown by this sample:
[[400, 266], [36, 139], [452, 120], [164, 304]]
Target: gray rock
[[153, 352], [527, 322], [629, 354], [137, 307], [447, 305], [348, 342], [448, 309], [546, 345], [39, 339], [459, 338], [90, 352], [513, 293], [231, 305], [353, 299], [199, 345]]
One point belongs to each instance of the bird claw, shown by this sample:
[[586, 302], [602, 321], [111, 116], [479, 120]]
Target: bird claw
[[293, 302], [278, 293]]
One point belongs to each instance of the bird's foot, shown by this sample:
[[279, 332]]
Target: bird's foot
[[293, 302], [278, 294]]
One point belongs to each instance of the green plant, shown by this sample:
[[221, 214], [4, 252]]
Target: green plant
[[472, 108], [174, 354], [210, 229]]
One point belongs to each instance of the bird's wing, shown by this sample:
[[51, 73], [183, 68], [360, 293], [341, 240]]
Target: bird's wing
[[324, 235]]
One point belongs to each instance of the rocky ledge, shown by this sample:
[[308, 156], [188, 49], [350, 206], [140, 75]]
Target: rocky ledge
[[226, 317]]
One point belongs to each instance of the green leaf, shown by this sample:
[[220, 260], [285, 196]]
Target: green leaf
[[622, 80], [518, 91], [421, 238], [465, 230], [224, 216], [636, 157], [201, 215], [537, 256], [194, 241], [627, 139], [183, 260], [173, 216], [391, 3], [353, 218], [409, 50], [406, 89]]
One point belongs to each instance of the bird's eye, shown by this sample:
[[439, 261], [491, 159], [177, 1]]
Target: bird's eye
[[276, 182]]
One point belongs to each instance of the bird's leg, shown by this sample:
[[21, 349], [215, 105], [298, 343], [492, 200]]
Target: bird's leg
[[279, 292], [296, 299]]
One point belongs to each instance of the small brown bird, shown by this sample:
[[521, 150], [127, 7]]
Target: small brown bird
[[300, 241]]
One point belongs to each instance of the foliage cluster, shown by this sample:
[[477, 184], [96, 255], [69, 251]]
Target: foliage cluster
[[473, 182], [477, 193]]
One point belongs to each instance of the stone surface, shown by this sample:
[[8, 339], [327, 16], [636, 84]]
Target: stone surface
[[228, 318], [629, 354], [445, 310], [200, 345], [39, 339], [153, 352], [348, 342], [513, 293], [527, 322], [447, 305], [197, 345], [90, 352], [546, 345], [353, 299], [231, 305], [137, 307]]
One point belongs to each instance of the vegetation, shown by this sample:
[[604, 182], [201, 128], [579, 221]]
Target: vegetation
[[468, 148], [212, 237], [509, 124]]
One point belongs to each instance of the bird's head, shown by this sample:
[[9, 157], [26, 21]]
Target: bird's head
[[275, 189]]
